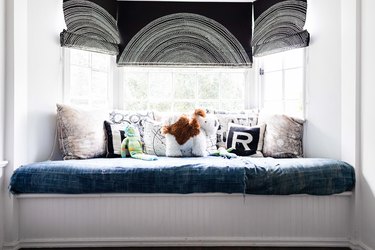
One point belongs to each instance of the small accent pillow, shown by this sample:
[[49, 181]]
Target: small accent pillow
[[80, 132], [244, 139], [242, 118], [283, 137], [115, 135], [154, 139], [115, 128]]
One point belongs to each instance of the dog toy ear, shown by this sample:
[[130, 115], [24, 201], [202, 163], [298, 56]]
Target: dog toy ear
[[200, 112]]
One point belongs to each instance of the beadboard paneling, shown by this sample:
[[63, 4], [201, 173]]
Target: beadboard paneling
[[182, 218]]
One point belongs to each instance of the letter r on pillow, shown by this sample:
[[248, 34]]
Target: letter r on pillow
[[244, 142]]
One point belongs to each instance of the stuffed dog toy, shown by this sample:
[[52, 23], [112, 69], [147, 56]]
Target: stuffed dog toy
[[187, 136]]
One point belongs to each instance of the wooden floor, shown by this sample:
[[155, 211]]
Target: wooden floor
[[199, 248]]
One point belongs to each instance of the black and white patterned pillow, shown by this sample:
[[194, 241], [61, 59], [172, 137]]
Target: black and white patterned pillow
[[245, 140], [115, 134], [246, 117], [154, 139], [117, 124]]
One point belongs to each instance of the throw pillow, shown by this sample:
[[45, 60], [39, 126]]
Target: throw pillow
[[242, 118], [115, 128], [244, 139], [283, 137], [154, 139], [80, 132], [115, 135]]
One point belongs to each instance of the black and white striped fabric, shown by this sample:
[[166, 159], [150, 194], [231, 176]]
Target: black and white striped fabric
[[91, 25], [185, 33], [184, 38], [279, 26]]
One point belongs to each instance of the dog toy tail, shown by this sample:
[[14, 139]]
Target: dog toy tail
[[225, 153], [144, 157]]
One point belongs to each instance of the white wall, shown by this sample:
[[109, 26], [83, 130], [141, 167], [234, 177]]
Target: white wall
[[2, 109], [44, 75], [367, 175], [32, 88], [2, 76], [323, 100]]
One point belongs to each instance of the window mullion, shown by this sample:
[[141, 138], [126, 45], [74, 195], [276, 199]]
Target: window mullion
[[90, 82], [196, 89], [173, 99], [283, 97]]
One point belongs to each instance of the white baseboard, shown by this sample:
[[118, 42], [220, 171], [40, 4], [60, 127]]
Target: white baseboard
[[173, 242]]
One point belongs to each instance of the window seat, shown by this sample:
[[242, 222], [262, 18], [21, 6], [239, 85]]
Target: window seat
[[243, 175]]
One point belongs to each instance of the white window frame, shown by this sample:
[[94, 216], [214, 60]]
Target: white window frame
[[66, 79], [259, 68]]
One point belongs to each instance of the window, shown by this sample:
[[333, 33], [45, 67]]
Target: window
[[282, 79], [88, 79], [92, 80], [183, 89]]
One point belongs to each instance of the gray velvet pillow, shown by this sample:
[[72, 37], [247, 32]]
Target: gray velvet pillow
[[81, 132], [283, 137]]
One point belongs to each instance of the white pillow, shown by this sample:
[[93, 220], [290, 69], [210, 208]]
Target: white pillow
[[81, 132]]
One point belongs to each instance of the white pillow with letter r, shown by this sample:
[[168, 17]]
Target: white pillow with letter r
[[245, 140]]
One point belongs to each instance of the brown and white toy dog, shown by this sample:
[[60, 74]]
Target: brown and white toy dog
[[187, 136]]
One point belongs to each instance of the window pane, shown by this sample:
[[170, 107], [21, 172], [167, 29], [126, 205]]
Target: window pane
[[99, 103], [273, 86], [136, 85], [209, 105], [135, 105], [232, 86], [79, 81], [161, 106], [232, 105], [294, 108], [160, 85], [274, 107], [293, 58], [293, 83], [184, 106], [184, 85], [208, 85], [182, 90], [79, 57], [272, 62], [100, 61], [80, 102], [99, 86]]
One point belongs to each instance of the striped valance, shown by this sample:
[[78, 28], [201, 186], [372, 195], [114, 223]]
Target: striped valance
[[91, 25], [184, 33], [279, 26]]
